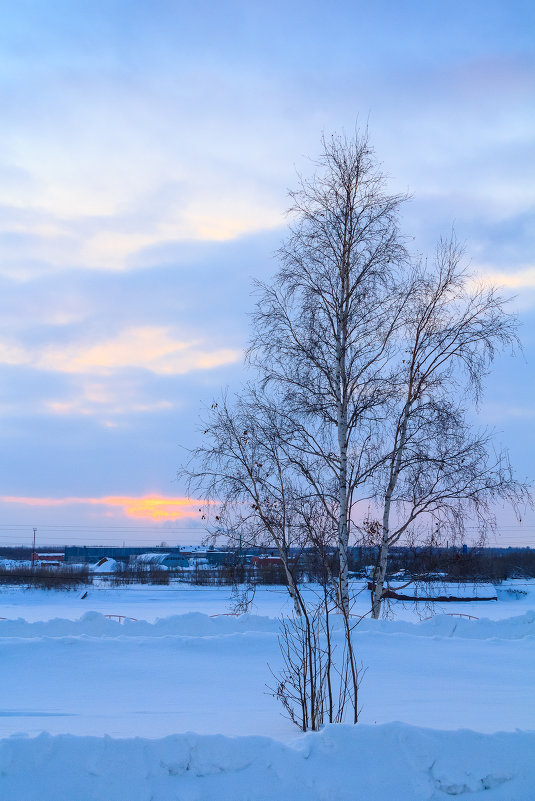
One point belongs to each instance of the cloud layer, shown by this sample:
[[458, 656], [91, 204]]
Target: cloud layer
[[145, 155]]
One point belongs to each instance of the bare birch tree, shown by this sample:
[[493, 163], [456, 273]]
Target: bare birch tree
[[363, 372], [322, 329], [438, 468]]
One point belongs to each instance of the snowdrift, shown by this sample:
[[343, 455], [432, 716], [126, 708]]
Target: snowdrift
[[392, 762], [197, 624]]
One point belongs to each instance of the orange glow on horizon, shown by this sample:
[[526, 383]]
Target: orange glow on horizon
[[150, 507]]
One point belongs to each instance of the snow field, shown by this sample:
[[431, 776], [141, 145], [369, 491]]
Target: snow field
[[97, 676], [146, 602], [150, 683]]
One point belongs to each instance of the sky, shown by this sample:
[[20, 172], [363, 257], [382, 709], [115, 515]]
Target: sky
[[146, 153]]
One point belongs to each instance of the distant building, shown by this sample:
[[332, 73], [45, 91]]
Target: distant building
[[90, 554], [266, 561], [52, 559], [165, 561]]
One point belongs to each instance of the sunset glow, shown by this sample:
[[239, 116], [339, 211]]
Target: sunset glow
[[154, 507], [150, 507]]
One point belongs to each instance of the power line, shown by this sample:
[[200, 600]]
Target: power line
[[95, 526], [134, 527]]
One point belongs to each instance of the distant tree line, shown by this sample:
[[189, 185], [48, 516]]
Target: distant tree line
[[423, 564]]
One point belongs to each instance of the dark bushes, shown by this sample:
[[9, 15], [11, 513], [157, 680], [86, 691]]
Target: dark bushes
[[46, 578]]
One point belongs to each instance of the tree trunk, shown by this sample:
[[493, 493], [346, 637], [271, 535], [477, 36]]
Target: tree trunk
[[380, 575], [380, 572], [343, 540], [342, 479], [292, 588]]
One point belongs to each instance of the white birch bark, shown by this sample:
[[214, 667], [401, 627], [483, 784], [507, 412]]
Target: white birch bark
[[342, 475], [380, 576], [292, 587]]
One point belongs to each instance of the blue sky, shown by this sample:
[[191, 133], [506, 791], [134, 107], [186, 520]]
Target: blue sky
[[146, 150]]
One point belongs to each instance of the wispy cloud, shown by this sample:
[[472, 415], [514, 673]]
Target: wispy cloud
[[150, 507], [151, 348], [104, 405], [519, 279]]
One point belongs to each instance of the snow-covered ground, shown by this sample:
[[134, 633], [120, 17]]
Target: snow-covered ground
[[148, 602], [179, 664]]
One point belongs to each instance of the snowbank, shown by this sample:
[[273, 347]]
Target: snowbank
[[95, 624], [196, 624], [393, 762]]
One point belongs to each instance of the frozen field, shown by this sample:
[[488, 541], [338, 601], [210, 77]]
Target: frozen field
[[184, 670]]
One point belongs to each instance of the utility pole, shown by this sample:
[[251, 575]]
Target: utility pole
[[33, 550]]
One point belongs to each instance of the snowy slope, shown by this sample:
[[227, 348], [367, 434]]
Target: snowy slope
[[394, 762]]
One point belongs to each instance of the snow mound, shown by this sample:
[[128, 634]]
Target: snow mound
[[104, 565], [197, 624], [392, 762], [456, 625], [14, 564], [95, 624]]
